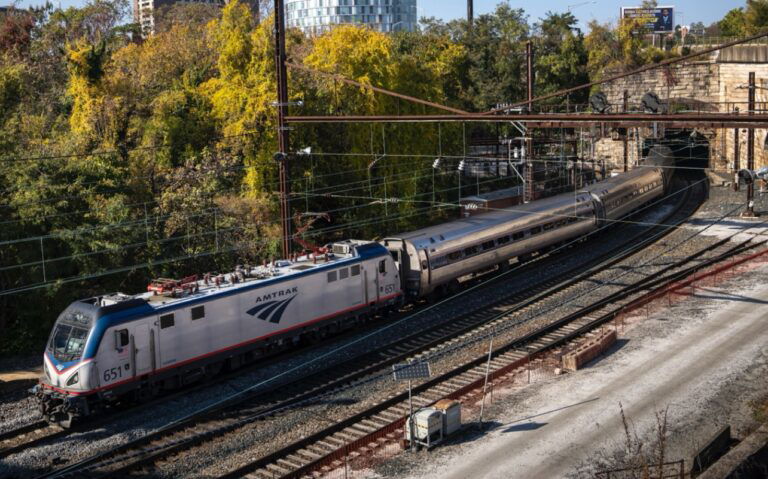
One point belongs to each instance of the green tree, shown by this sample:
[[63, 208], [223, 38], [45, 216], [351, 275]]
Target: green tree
[[734, 23], [603, 49], [756, 16], [561, 57]]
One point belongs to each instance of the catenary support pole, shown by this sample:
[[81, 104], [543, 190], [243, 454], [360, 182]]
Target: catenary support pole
[[470, 13], [736, 159], [282, 128], [625, 107], [750, 211], [529, 173], [485, 384], [411, 433]]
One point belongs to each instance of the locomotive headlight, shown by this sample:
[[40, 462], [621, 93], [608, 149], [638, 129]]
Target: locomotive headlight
[[74, 379]]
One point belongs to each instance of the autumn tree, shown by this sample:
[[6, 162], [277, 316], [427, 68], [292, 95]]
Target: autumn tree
[[734, 23]]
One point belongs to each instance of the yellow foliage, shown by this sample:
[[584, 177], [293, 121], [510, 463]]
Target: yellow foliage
[[242, 94], [357, 53]]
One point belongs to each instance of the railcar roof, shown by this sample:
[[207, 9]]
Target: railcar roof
[[613, 182], [464, 226], [250, 277]]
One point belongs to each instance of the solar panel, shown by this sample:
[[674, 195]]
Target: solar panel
[[406, 371]]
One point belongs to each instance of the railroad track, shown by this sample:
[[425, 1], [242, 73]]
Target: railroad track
[[324, 450], [290, 394], [28, 435]]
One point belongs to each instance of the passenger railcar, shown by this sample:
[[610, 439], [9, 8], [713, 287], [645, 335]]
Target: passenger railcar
[[620, 195], [105, 348], [436, 258]]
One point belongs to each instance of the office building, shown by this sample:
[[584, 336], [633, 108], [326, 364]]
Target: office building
[[317, 16]]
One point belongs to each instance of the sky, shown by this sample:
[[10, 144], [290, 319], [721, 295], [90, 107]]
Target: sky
[[687, 11]]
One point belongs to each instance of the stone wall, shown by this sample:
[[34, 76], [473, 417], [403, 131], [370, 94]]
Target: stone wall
[[705, 86]]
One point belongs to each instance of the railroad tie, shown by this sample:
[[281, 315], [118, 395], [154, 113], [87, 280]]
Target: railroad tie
[[297, 459], [278, 469], [308, 455], [433, 394], [349, 434], [330, 443], [400, 409], [283, 461], [387, 415], [498, 363], [444, 390], [261, 474], [319, 450], [365, 429], [374, 422]]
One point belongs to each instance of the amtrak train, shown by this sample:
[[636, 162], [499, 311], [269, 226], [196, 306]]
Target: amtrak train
[[110, 348]]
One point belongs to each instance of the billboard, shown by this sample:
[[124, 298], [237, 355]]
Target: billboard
[[657, 19]]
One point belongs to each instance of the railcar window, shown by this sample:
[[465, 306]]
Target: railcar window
[[331, 276], [343, 273], [198, 312], [535, 230], [518, 236], [470, 251], [382, 266], [549, 226], [455, 256], [121, 338], [488, 245], [166, 321], [503, 240], [355, 270]]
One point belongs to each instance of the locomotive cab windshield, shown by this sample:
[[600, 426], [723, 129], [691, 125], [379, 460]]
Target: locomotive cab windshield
[[69, 335]]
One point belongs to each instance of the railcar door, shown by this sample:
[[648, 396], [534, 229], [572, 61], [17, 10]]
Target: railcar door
[[397, 248], [142, 349], [599, 207], [426, 272]]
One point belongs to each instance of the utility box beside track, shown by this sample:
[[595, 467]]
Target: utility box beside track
[[433, 424], [451, 412]]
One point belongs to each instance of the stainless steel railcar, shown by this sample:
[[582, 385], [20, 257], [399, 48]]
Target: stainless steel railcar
[[437, 257], [620, 195]]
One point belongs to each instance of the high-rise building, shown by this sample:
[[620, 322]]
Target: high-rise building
[[144, 11], [318, 16]]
